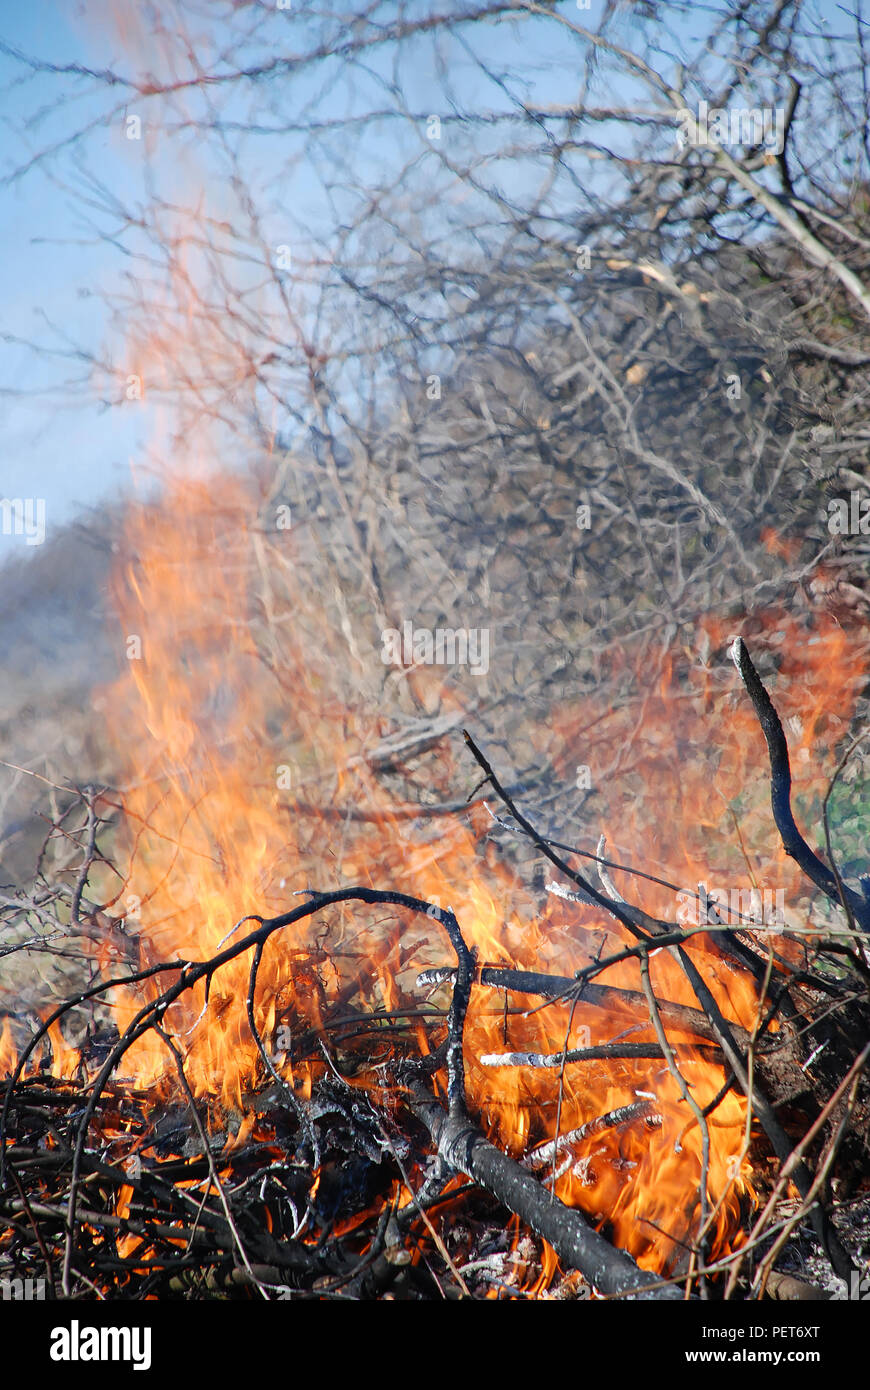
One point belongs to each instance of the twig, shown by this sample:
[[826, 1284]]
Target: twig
[[605, 1052], [206, 1148], [686, 1093], [544, 1153], [639, 923]]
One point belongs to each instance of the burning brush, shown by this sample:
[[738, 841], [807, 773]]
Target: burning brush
[[281, 1110]]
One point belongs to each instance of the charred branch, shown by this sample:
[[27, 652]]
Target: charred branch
[[793, 842], [579, 1247]]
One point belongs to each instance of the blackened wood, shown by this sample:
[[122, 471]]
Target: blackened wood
[[793, 842], [611, 1271], [602, 997], [634, 919], [607, 1052]]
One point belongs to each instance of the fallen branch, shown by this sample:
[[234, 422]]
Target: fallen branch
[[461, 1144], [578, 1246]]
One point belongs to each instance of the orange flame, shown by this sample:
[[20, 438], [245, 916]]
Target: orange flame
[[228, 715], [229, 718]]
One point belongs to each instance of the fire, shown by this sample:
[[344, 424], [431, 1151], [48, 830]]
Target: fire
[[229, 716], [8, 1049], [239, 711], [236, 716], [65, 1060]]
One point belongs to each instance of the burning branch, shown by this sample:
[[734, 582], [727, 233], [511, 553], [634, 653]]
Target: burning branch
[[722, 1031], [463, 1146], [793, 842], [459, 1141], [153, 1225]]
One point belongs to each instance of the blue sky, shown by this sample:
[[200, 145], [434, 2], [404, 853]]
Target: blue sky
[[64, 445], [67, 451]]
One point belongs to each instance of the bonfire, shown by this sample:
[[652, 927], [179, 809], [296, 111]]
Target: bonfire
[[334, 1045]]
